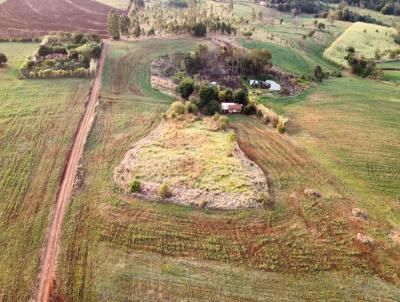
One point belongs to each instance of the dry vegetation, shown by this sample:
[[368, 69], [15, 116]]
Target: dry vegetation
[[367, 39], [199, 163]]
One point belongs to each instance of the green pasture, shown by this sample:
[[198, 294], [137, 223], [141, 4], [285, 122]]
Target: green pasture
[[38, 119]]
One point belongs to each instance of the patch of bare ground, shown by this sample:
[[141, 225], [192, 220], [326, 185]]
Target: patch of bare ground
[[253, 192]]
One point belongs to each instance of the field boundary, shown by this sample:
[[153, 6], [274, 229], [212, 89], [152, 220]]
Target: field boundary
[[49, 257]]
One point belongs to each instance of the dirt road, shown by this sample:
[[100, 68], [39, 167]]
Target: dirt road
[[49, 258]]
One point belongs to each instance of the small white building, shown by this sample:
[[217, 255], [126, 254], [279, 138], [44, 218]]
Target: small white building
[[231, 108]]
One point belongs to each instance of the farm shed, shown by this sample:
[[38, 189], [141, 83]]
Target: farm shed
[[231, 108]]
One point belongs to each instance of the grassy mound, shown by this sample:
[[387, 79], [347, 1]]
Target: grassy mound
[[367, 39], [200, 165]]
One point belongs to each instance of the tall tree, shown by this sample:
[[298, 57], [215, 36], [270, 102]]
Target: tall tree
[[125, 24], [113, 26]]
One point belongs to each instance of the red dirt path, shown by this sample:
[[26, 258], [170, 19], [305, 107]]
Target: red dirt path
[[49, 258], [30, 18]]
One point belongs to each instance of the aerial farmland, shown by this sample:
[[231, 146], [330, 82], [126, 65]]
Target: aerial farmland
[[182, 150]]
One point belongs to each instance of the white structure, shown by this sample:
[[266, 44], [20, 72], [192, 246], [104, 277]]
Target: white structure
[[213, 83], [274, 85], [231, 107], [268, 84]]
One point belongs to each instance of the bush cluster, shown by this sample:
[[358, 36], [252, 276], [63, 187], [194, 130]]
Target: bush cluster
[[75, 55]]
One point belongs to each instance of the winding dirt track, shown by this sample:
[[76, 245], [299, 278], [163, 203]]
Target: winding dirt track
[[49, 258]]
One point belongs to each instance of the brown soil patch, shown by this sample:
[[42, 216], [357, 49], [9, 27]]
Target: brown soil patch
[[32, 18]]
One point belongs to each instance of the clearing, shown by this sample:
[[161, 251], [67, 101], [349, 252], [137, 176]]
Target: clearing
[[366, 39], [200, 165]]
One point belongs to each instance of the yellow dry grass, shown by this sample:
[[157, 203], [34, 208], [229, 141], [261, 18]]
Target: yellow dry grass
[[365, 38]]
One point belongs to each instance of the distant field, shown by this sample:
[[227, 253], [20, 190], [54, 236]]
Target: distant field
[[365, 43], [115, 247], [389, 20], [393, 76], [26, 19], [120, 4], [290, 51], [38, 119]]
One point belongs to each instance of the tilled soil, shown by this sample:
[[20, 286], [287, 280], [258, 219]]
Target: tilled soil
[[32, 18]]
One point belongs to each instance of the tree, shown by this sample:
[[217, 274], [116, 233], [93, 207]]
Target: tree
[[360, 66], [206, 94], [44, 50], [231, 5], [125, 24], [3, 59], [260, 16], [96, 52], [186, 88], [241, 97], [225, 95], [199, 30], [318, 74], [213, 107], [113, 25], [137, 30], [321, 26]]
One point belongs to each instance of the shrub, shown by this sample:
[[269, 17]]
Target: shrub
[[199, 30], [203, 204], [206, 94], [281, 125], [163, 192], [232, 137], [241, 97], [44, 50], [249, 109], [247, 33], [264, 199], [223, 122], [186, 88], [318, 73], [178, 107], [213, 107], [3, 58], [225, 95], [135, 186], [191, 108]]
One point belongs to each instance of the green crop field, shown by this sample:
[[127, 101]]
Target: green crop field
[[115, 247], [38, 119], [357, 129], [290, 51], [365, 38]]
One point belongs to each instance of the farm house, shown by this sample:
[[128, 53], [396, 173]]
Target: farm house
[[231, 108]]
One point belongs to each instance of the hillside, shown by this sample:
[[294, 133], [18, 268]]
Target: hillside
[[367, 39]]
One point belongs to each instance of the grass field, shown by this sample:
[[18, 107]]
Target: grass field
[[119, 248], [290, 51], [335, 121], [194, 155], [38, 120], [120, 4], [365, 38]]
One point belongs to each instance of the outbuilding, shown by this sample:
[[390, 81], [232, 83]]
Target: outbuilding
[[231, 108]]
